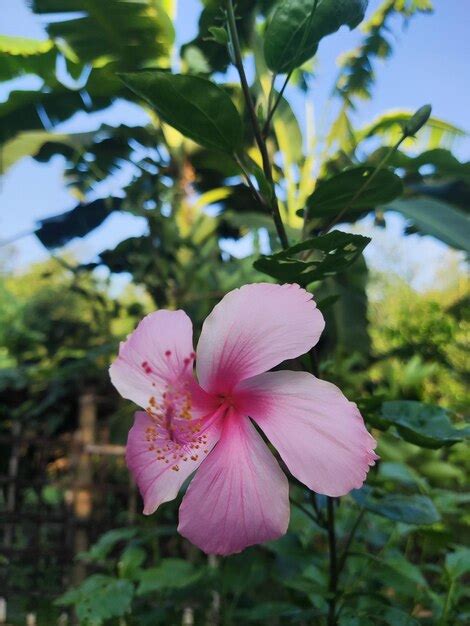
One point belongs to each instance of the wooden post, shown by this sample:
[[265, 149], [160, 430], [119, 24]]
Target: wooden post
[[13, 466], [3, 611], [214, 613], [188, 617], [83, 498]]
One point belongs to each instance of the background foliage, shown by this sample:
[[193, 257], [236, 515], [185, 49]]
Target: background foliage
[[199, 179]]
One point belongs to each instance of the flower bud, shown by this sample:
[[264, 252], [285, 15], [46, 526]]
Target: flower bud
[[417, 121]]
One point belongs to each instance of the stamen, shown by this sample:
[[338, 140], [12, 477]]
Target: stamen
[[174, 435]]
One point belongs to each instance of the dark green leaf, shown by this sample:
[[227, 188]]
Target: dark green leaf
[[56, 231], [99, 598], [336, 193], [401, 566], [332, 253], [436, 218], [296, 27], [410, 509], [195, 106], [170, 574], [266, 611], [350, 312], [130, 562], [425, 425], [100, 550], [458, 562]]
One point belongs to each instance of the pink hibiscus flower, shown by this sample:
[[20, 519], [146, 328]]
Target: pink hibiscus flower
[[239, 495]]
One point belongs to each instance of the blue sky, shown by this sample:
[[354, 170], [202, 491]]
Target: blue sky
[[430, 64]]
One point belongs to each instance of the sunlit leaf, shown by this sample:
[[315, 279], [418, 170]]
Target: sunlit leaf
[[29, 143], [129, 34], [198, 108], [20, 56]]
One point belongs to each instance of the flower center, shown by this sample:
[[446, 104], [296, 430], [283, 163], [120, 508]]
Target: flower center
[[175, 436]]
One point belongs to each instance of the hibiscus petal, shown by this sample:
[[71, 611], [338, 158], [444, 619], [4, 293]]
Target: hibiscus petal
[[239, 496], [159, 465], [158, 352], [253, 329], [320, 435]]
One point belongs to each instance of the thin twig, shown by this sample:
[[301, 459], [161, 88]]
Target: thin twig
[[316, 508], [273, 205], [277, 102], [308, 513], [249, 182], [366, 184], [333, 581], [352, 534]]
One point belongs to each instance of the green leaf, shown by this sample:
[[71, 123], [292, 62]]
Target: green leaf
[[170, 574], [30, 143], [264, 612], [99, 598], [399, 473], [58, 230], [436, 218], [336, 193], [458, 562], [219, 35], [333, 253], [346, 320], [20, 56], [100, 550], [390, 126], [425, 425], [288, 133], [409, 509], [296, 27], [130, 35], [130, 562], [195, 106], [400, 564], [388, 615]]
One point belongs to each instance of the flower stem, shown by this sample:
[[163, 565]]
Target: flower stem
[[333, 581], [352, 534], [366, 184], [273, 204], [272, 110]]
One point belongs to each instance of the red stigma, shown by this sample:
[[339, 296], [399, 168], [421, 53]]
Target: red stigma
[[168, 353]]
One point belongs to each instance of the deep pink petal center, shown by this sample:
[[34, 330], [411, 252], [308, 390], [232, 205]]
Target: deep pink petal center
[[181, 414]]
